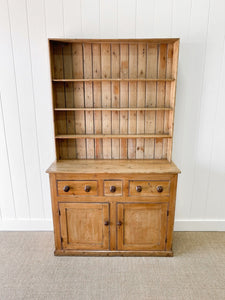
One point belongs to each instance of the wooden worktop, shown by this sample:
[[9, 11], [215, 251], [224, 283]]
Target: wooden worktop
[[113, 166]]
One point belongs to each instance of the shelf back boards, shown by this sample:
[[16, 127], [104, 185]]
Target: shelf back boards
[[114, 99]]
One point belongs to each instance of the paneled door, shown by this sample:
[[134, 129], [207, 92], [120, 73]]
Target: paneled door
[[141, 226], [84, 226]]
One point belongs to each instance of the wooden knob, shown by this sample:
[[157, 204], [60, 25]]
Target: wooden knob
[[159, 188], [106, 223], [119, 223], [66, 188], [112, 189], [138, 188], [87, 188]]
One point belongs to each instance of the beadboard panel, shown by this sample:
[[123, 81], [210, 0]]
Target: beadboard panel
[[26, 124]]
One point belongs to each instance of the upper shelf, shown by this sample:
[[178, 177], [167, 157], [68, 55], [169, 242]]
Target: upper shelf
[[113, 109], [114, 79]]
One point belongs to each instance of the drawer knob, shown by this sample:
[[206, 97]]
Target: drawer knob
[[66, 188], [106, 223], [159, 188], [138, 188], [119, 223], [112, 189], [87, 188]]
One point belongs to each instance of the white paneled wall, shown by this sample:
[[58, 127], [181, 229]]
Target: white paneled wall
[[26, 126]]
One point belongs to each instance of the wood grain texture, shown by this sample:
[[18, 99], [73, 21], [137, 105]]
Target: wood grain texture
[[69, 99], [150, 117], [113, 253], [124, 63], [77, 188], [88, 98], [115, 53], [96, 51], [55, 213], [132, 126], [82, 226], [116, 220], [122, 103], [149, 188], [118, 166], [143, 226], [77, 56], [106, 99], [108, 184], [160, 99], [141, 101]]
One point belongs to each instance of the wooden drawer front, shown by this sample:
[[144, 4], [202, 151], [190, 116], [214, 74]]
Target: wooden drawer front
[[77, 188], [149, 188], [84, 226], [113, 188], [141, 226]]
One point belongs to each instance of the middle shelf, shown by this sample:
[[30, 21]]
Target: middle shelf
[[113, 109], [114, 79], [111, 136]]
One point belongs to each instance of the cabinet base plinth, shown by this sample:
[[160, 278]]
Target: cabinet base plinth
[[112, 253]]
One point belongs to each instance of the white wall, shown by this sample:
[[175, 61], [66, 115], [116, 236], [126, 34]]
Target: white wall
[[26, 129]]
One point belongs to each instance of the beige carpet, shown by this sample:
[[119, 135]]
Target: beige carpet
[[29, 270]]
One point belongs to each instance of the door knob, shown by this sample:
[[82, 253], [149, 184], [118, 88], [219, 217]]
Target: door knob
[[106, 223], [119, 223], [87, 188], [112, 189], [66, 188], [138, 188], [159, 189]]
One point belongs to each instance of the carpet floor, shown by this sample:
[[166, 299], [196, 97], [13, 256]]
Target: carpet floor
[[29, 270]]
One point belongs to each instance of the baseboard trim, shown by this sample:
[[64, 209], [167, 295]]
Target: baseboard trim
[[199, 225], [46, 225], [26, 225]]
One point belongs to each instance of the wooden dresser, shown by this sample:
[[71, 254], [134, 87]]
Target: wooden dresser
[[113, 184]]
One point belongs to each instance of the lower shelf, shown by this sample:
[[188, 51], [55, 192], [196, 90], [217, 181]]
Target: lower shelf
[[113, 253]]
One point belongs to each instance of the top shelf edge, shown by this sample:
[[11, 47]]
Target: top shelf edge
[[121, 41]]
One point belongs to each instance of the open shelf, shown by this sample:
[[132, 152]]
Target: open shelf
[[115, 109], [111, 136], [114, 79], [114, 99]]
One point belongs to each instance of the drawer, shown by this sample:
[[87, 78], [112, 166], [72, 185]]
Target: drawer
[[77, 188], [113, 188], [149, 188]]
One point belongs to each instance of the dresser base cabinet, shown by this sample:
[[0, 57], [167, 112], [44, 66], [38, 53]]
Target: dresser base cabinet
[[128, 212]]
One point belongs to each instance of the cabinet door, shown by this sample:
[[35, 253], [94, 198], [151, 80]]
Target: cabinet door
[[141, 226], [84, 226]]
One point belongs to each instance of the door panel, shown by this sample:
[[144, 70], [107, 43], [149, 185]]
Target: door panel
[[84, 226], [141, 226]]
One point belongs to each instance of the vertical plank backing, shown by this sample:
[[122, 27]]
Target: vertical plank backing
[[160, 99], [123, 98], [141, 99], [132, 116], [60, 119], [88, 99], [96, 55], [167, 96], [115, 59], [69, 99], [172, 97], [77, 56], [105, 60], [106, 99], [151, 94]]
